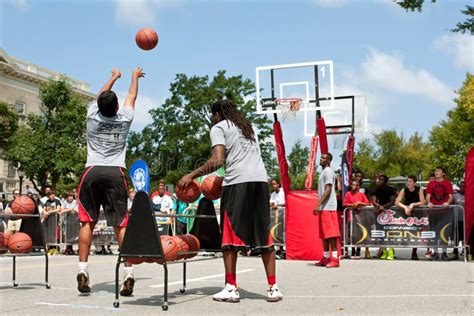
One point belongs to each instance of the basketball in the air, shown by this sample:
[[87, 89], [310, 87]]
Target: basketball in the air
[[188, 194], [20, 243], [194, 244], [183, 245], [146, 38], [211, 187], [4, 240], [170, 249], [23, 205]]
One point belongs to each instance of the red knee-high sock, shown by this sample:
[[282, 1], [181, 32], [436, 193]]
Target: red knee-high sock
[[231, 278], [271, 279]]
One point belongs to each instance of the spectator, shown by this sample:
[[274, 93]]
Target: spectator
[[356, 200], [69, 214], [131, 196], [277, 203], [46, 190], [408, 198], [359, 176], [13, 223], [52, 206], [439, 193], [382, 199], [162, 204], [181, 208]]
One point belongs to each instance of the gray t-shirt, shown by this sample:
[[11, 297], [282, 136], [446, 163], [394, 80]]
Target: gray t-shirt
[[107, 136], [327, 177], [243, 160]]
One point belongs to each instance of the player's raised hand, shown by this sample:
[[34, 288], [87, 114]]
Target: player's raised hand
[[138, 72], [116, 73]]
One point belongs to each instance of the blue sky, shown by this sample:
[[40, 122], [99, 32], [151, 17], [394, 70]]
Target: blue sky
[[407, 64]]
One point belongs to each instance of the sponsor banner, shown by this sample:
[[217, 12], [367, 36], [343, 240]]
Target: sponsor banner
[[425, 227], [140, 175]]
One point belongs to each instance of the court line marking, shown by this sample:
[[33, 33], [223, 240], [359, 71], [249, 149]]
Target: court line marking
[[199, 279], [380, 296], [81, 306]]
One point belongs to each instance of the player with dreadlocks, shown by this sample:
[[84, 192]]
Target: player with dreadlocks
[[245, 213]]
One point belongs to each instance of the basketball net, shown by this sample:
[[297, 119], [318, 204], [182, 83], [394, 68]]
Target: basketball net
[[288, 108], [338, 140]]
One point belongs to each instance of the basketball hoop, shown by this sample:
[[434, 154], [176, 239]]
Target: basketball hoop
[[338, 140], [288, 107]]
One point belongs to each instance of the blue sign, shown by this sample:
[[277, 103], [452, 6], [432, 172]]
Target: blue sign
[[140, 176]]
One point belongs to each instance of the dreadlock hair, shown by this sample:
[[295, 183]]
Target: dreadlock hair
[[228, 111]]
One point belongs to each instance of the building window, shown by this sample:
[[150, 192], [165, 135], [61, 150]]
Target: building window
[[11, 171], [20, 107]]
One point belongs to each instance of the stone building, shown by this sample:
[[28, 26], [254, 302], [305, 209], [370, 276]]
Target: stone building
[[19, 87]]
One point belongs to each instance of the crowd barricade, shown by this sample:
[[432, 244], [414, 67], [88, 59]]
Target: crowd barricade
[[437, 227], [51, 230], [103, 235], [69, 229], [277, 225]]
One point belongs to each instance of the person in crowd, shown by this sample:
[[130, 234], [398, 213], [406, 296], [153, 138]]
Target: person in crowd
[[68, 213], [408, 198], [439, 193], [356, 200], [46, 190], [103, 183], [131, 196], [245, 218], [382, 199], [181, 208], [326, 213], [277, 203], [13, 223], [162, 204], [51, 209]]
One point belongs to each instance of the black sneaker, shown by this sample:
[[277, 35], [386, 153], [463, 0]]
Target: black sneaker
[[414, 256], [83, 282], [435, 257], [127, 286]]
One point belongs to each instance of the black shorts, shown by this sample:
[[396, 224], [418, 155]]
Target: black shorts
[[245, 217], [107, 187]]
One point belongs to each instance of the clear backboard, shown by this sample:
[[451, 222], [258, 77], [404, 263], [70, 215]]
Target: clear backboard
[[309, 81]]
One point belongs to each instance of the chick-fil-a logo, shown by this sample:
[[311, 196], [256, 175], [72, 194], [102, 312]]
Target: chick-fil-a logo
[[388, 218]]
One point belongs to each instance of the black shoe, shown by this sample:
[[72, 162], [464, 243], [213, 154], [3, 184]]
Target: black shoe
[[127, 286], [444, 256], [414, 256], [83, 282], [435, 257]]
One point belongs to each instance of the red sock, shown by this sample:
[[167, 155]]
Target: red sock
[[271, 279], [231, 278]]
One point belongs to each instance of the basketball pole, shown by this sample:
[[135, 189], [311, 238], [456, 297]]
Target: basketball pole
[[272, 79]]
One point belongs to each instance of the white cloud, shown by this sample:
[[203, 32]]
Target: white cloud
[[143, 105], [389, 72], [21, 5], [458, 46], [141, 12], [330, 3]]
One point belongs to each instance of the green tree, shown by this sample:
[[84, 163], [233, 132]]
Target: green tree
[[298, 161], [462, 27], [52, 146], [8, 126], [178, 138], [454, 137], [365, 158]]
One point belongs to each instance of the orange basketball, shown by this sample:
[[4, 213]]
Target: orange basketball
[[170, 249], [190, 193], [136, 260], [146, 38], [20, 243], [194, 244], [183, 245], [23, 205], [211, 187], [4, 240]]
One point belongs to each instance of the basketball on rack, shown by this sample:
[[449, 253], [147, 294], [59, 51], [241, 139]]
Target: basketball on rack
[[4, 240], [23, 205], [183, 246], [194, 244], [20, 243], [211, 187], [170, 248], [146, 38], [188, 194], [136, 260]]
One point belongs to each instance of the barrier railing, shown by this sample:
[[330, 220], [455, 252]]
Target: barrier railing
[[437, 227]]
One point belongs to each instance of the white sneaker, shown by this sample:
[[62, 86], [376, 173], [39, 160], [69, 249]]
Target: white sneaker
[[228, 294], [83, 281], [274, 294], [127, 286]]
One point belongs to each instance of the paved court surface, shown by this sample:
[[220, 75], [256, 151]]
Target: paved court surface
[[358, 287]]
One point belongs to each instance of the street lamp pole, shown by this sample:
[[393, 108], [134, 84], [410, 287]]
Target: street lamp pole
[[21, 175]]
